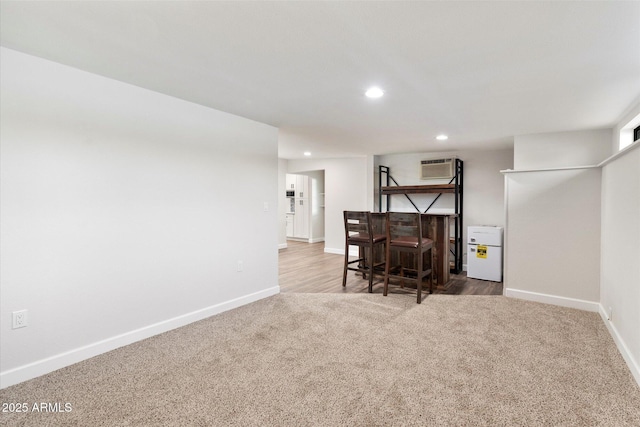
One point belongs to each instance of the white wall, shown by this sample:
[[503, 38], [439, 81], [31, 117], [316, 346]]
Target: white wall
[[552, 236], [347, 187], [620, 263], [483, 185], [561, 149], [282, 204], [124, 213]]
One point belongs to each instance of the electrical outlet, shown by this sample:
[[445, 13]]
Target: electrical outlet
[[19, 319], [240, 266], [610, 314], [266, 206]]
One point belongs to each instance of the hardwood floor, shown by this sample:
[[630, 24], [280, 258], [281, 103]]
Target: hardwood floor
[[306, 268]]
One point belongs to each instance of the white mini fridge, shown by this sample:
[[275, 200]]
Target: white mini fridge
[[484, 253]]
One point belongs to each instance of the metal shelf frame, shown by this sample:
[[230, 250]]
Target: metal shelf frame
[[455, 187]]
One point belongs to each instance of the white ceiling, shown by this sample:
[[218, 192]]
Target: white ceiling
[[480, 72]]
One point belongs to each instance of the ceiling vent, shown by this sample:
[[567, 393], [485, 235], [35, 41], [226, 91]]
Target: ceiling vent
[[437, 169]]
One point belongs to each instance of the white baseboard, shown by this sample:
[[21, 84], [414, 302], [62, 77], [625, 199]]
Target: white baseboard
[[334, 251], [305, 240], [633, 365], [282, 246], [553, 299], [50, 364], [352, 251]]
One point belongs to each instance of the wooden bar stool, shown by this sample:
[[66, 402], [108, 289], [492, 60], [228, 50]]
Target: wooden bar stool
[[404, 235], [359, 232]]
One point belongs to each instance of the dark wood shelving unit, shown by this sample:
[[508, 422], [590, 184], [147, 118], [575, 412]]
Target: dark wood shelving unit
[[453, 187], [419, 189]]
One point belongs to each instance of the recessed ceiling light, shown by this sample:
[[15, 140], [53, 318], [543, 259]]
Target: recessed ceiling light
[[374, 92], [307, 153], [442, 137]]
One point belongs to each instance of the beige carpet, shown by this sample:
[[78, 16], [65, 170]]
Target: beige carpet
[[353, 360]]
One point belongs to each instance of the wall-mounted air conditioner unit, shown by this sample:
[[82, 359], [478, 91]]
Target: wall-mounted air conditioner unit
[[437, 169]]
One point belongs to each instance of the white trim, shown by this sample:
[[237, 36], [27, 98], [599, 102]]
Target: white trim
[[580, 304], [620, 153], [50, 364], [333, 251], [606, 161], [505, 238], [282, 246], [353, 251], [305, 239], [622, 347], [566, 168]]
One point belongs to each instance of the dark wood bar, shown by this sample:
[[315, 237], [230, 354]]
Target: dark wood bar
[[436, 228]]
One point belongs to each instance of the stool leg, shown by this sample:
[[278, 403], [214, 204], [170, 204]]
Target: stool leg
[[403, 262], [419, 277], [346, 264], [431, 277], [387, 263], [370, 267]]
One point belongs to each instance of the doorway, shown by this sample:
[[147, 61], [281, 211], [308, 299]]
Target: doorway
[[305, 206]]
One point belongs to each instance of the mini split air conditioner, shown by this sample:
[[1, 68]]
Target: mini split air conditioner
[[437, 169]]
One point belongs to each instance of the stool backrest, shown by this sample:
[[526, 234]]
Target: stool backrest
[[357, 222], [402, 224]]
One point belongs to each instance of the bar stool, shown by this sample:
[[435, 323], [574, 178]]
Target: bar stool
[[404, 235], [359, 232]]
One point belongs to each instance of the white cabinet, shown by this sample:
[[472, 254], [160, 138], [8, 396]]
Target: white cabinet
[[299, 183], [301, 221], [302, 186], [297, 224], [290, 224], [291, 181]]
